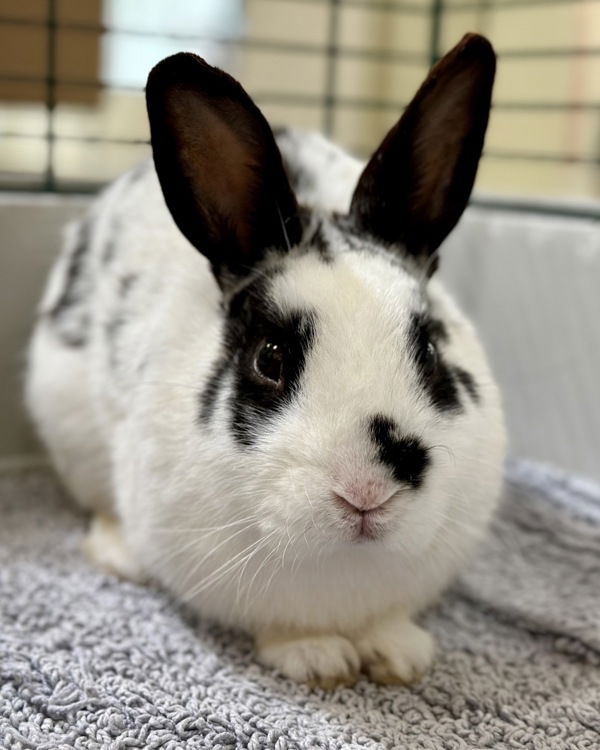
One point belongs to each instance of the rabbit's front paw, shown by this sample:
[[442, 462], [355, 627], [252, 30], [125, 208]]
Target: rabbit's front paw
[[105, 546], [324, 661], [395, 651]]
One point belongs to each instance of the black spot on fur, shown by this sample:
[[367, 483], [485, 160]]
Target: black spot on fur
[[71, 321], [250, 321], [359, 241], [70, 293], [114, 324], [112, 241], [405, 455], [112, 329], [75, 335], [126, 283], [109, 250], [317, 241], [437, 378], [468, 383], [348, 230]]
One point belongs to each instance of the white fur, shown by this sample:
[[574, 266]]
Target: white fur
[[393, 649], [322, 660], [250, 537]]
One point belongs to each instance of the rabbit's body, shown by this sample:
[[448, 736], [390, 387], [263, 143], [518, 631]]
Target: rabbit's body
[[319, 510]]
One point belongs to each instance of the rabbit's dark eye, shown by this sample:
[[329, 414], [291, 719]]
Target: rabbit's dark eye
[[429, 359], [268, 362], [431, 355]]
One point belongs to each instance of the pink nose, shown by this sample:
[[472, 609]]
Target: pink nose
[[363, 498]]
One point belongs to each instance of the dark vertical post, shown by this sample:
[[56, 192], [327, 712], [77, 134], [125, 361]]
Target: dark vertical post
[[437, 8], [49, 177], [330, 68]]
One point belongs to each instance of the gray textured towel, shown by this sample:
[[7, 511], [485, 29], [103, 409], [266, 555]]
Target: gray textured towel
[[90, 662]]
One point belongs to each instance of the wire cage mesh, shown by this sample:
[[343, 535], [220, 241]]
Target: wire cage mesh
[[72, 117]]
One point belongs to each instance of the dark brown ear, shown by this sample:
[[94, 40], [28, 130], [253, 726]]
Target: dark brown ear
[[218, 165], [418, 182]]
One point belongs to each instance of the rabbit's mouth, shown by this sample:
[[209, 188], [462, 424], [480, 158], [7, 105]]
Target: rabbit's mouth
[[371, 525], [365, 525]]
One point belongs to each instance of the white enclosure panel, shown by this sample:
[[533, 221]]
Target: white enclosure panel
[[532, 284]]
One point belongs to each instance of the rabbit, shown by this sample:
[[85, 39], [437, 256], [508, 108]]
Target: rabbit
[[245, 368]]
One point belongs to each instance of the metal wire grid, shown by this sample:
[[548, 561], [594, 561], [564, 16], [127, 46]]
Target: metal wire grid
[[332, 51]]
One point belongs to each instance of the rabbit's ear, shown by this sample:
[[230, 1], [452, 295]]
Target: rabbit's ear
[[219, 167], [417, 184]]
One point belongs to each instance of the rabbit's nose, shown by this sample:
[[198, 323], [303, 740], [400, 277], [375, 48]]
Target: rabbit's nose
[[364, 497]]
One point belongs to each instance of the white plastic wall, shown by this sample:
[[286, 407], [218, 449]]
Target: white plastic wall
[[532, 284]]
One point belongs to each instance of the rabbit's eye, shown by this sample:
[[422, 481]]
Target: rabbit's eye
[[431, 354], [268, 362], [430, 358]]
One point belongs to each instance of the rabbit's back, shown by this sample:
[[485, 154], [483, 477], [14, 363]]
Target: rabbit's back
[[95, 326]]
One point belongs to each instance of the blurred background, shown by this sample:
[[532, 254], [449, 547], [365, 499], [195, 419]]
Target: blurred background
[[525, 260], [72, 74]]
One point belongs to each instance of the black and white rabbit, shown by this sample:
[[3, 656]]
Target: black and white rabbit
[[269, 404]]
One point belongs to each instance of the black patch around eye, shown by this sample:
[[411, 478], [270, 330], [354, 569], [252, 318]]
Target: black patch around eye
[[208, 397], [436, 377], [468, 383], [254, 403], [249, 321], [405, 456]]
